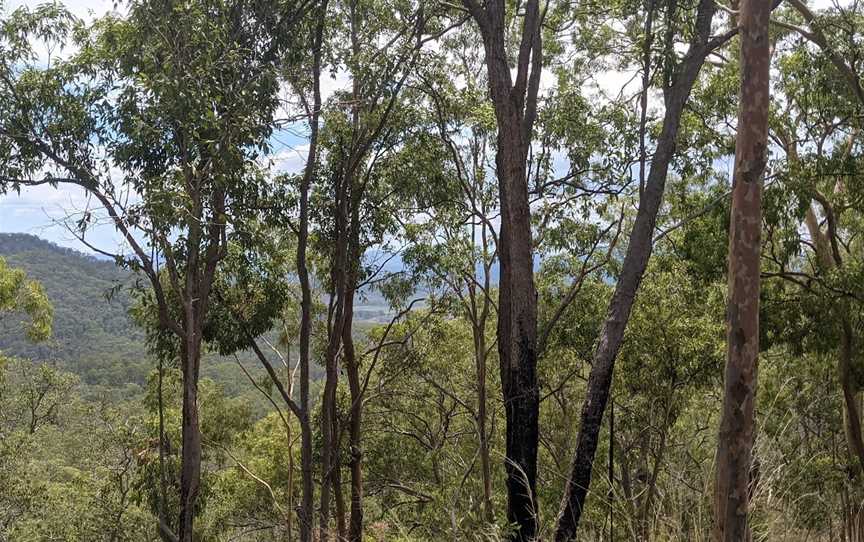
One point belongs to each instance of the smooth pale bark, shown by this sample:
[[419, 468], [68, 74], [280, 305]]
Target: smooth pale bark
[[735, 443], [635, 262]]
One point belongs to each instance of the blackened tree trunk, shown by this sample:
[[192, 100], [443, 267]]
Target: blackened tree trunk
[[735, 443], [676, 93], [515, 110]]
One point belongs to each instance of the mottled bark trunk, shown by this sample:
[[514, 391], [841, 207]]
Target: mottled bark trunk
[[635, 262], [735, 443]]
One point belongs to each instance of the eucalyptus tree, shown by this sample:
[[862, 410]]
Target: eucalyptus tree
[[160, 117], [515, 105], [735, 444], [677, 73], [364, 129]]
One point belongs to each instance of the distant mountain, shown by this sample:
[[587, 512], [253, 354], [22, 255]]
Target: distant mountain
[[93, 333]]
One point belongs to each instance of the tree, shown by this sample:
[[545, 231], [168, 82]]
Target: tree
[[179, 97], [678, 81], [734, 448], [515, 104], [26, 297]]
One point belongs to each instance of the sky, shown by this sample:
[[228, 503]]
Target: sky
[[38, 210], [42, 210]]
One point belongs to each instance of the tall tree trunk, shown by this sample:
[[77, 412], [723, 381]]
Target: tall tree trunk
[[336, 325], [515, 106], [635, 262], [517, 334], [306, 506], [352, 369], [190, 462], [328, 437], [735, 444]]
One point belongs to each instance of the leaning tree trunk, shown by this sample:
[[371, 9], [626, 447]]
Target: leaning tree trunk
[[635, 262], [735, 444]]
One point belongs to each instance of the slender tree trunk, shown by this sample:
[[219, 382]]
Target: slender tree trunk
[[337, 323], [735, 444], [635, 262], [338, 496], [352, 368], [190, 463], [485, 460], [328, 441], [306, 506]]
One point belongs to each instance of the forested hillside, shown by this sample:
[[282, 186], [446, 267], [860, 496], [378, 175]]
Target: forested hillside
[[93, 334], [424, 270]]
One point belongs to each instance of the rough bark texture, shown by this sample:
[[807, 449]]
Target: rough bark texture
[[735, 442], [515, 106], [632, 270]]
